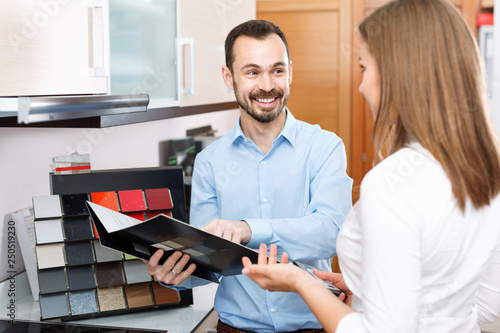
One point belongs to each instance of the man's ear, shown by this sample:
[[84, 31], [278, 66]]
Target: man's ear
[[227, 76], [290, 73]]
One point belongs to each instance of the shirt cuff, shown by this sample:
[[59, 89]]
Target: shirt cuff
[[261, 232], [171, 286], [352, 323]]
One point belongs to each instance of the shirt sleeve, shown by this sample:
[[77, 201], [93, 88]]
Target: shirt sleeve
[[391, 262], [488, 295], [330, 201], [204, 206]]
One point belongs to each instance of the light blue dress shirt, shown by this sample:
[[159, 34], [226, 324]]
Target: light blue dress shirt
[[296, 196]]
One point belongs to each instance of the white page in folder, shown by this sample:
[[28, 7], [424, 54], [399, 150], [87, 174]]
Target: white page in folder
[[111, 220]]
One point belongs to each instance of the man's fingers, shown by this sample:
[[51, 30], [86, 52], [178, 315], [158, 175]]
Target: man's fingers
[[152, 264]]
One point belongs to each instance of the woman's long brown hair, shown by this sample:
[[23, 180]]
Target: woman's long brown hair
[[433, 91]]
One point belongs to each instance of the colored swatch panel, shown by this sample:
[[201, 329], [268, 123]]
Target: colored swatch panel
[[77, 276], [48, 231], [78, 228], [47, 206], [111, 298], [74, 204], [159, 199], [138, 295], [132, 200], [106, 199]]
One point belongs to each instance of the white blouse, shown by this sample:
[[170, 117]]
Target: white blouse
[[413, 260]]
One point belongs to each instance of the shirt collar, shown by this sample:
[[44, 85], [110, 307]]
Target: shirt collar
[[288, 131]]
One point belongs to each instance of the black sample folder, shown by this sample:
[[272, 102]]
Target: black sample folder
[[210, 253]]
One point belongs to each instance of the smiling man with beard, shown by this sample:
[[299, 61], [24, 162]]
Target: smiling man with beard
[[272, 179]]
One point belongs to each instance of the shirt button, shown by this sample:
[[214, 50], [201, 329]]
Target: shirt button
[[273, 310], [264, 199], [263, 163]]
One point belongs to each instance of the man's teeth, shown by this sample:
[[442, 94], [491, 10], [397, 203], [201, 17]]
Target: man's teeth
[[268, 100]]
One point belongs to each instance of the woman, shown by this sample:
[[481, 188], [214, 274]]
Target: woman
[[420, 251]]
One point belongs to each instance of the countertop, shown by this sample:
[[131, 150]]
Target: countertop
[[176, 320]]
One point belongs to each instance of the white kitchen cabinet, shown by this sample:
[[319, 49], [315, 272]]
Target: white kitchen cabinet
[[203, 27], [143, 54], [53, 47], [171, 50]]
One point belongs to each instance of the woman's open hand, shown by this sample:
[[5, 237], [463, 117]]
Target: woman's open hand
[[274, 276]]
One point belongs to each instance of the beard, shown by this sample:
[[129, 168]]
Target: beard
[[263, 115]]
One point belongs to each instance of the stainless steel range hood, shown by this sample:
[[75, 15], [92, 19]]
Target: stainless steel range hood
[[41, 108]]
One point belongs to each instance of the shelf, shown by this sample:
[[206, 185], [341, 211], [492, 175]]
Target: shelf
[[487, 3], [123, 119], [34, 109]]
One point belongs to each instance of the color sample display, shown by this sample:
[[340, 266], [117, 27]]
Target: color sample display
[[132, 200], [52, 281], [111, 298], [79, 253], [78, 228], [54, 305], [79, 278], [47, 206], [49, 231], [137, 215], [159, 199], [153, 214], [82, 302], [74, 204], [50, 256], [136, 271], [138, 295], [106, 199], [103, 254], [109, 274], [164, 295]]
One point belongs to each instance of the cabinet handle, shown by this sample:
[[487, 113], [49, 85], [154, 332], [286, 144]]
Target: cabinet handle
[[187, 45], [96, 39]]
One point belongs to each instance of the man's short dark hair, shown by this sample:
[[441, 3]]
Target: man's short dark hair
[[258, 29]]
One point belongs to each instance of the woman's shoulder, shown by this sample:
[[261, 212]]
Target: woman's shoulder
[[411, 167]]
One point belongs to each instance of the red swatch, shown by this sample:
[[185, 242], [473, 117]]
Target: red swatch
[[105, 199], [164, 212], [131, 200], [137, 215], [95, 230], [159, 199]]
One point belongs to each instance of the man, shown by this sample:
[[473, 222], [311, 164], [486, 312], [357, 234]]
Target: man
[[272, 179]]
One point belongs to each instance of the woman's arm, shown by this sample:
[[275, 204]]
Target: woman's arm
[[283, 277]]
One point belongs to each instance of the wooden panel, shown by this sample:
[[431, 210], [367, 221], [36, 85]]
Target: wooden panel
[[297, 5], [487, 3], [345, 78], [314, 95], [320, 90]]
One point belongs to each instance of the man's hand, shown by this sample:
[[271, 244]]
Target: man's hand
[[172, 271], [235, 231]]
